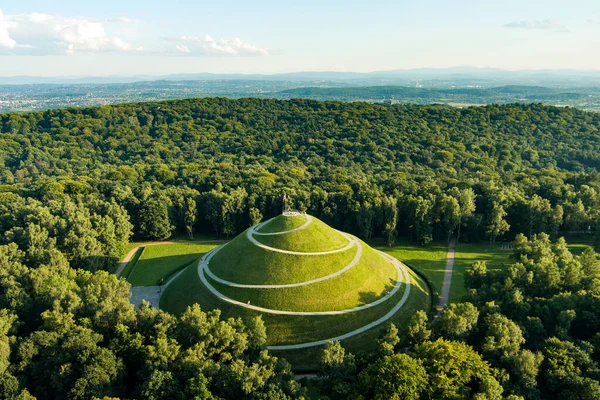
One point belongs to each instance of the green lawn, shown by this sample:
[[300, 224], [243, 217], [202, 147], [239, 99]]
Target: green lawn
[[160, 261], [578, 248], [131, 264], [430, 260], [366, 282], [282, 223]]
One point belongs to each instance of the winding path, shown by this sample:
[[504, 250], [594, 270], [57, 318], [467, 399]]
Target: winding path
[[305, 225], [445, 295]]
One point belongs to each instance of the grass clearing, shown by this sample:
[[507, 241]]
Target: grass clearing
[[430, 259], [160, 261]]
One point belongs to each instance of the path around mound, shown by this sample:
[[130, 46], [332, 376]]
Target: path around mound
[[445, 295], [403, 276], [305, 225]]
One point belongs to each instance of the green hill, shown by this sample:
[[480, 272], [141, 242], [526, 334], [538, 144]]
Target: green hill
[[308, 281]]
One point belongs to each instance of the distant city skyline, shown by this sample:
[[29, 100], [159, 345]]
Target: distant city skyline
[[134, 37]]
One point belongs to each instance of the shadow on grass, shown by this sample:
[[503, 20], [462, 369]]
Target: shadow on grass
[[149, 272]]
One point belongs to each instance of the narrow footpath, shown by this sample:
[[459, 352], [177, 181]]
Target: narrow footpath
[[444, 296]]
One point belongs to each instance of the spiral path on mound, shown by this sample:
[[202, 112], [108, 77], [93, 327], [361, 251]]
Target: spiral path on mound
[[403, 276]]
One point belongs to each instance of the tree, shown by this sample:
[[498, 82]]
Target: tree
[[337, 370], [502, 337], [456, 321], [255, 216], [393, 377], [497, 225], [455, 370], [418, 327], [390, 215], [466, 200], [154, 218], [389, 340], [190, 214]]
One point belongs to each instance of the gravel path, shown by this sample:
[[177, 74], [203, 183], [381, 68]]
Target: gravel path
[[447, 277], [150, 293]]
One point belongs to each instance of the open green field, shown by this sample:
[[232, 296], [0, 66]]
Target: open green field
[[430, 260], [162, 261]]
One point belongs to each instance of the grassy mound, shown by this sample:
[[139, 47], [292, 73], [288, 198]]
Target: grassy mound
[[369, 280], [282, 329], [242, 261]]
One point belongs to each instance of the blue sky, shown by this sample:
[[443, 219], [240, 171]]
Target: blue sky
[[160, 37]]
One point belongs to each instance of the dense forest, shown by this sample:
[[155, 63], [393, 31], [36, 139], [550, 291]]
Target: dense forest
[[77, 184], [216, 164]]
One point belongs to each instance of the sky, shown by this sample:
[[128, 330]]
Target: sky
[[133, 37]]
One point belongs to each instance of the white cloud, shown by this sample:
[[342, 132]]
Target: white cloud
[[545, 24], [209, 46], [5, 40], [43, 34]]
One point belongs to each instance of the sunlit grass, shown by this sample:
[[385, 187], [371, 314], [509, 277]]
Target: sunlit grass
[[159, 261]]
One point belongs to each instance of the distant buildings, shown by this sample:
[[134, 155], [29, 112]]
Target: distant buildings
[[390, 101]]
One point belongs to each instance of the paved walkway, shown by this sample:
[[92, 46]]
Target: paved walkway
[[150, 293], [445, 295]]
